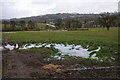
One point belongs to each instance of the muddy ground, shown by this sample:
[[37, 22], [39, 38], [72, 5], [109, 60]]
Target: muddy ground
[[31, 65]]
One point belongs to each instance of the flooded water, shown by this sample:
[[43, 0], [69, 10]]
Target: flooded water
[[71, 50], [9, 47]]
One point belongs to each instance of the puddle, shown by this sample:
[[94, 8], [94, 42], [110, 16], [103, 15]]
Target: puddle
[[89, 68], [70, 50], [10, 47], [73, 50]]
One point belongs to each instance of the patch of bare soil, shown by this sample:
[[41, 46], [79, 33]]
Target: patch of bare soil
[[31, 65]]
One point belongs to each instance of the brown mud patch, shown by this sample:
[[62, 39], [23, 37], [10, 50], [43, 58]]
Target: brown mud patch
[[31, 65]]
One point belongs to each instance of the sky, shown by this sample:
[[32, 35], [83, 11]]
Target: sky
[[26, 8]]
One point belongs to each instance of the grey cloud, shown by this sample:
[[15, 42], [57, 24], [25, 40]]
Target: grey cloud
[[27, 8]]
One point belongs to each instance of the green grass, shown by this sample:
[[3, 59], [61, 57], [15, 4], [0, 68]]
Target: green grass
[[42, 50], [94, 37], [94, 34], [41, 26]]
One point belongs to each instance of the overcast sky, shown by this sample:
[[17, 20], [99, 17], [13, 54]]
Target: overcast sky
[[26, 8]]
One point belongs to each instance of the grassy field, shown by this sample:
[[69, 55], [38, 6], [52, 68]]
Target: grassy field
[[35, 58], [94, 37], [94, 34]]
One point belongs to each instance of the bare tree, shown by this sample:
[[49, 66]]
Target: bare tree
[[107, 20]]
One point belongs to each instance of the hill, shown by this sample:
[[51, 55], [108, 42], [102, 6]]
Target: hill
[[55, 17]]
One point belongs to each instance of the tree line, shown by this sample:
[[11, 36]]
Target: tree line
[[18, 26], [104, 20]]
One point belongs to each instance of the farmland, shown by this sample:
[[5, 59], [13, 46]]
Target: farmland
[[42, 40], [68, 47], [94, 37], [94, 34]]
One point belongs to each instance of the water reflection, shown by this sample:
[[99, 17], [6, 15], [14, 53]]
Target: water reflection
[[71, 50]]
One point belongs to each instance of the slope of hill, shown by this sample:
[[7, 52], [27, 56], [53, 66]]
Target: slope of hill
[[54, 17]]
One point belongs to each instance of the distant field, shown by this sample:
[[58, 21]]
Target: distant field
[[93, 34], [41, 26]]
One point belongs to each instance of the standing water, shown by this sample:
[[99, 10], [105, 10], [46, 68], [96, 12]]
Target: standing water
[[70, 50]]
